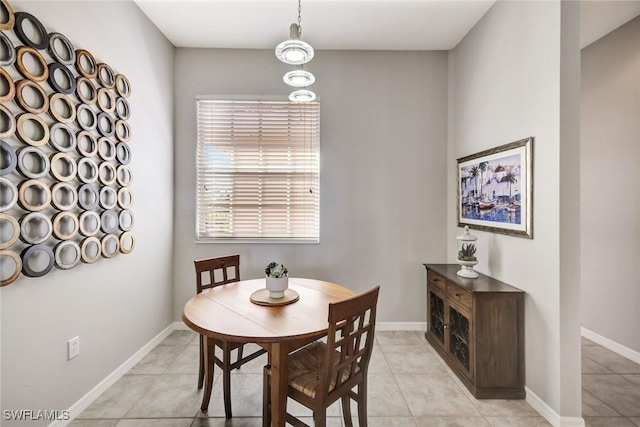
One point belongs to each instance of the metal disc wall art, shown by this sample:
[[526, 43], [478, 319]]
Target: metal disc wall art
[[65, 194]]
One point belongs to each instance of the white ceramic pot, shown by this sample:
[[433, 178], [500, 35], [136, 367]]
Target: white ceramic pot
[[467, 269], [277, 286]]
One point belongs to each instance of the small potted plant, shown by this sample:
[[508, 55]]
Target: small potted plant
[[277, 279]]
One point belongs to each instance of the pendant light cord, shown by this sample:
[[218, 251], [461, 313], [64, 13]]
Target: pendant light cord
[[300, 16]]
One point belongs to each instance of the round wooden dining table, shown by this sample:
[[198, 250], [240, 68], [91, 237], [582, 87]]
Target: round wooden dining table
[[227, 313]]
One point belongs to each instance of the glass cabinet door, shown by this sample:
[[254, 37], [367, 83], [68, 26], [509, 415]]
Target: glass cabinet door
[[459, 337], [436, 317]]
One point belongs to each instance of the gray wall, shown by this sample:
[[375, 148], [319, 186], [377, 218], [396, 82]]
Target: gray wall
[[505, 85], [383, 141], [610, 175], [115, 305]]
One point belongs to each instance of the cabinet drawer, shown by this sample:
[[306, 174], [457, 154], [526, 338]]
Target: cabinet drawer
[[460, 296], [437, 281]]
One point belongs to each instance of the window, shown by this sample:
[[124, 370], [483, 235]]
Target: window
[[258, 171]]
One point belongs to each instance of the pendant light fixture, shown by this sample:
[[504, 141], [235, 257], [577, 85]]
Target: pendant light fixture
[[297, 52]]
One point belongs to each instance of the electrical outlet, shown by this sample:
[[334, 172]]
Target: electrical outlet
[[73, 347]]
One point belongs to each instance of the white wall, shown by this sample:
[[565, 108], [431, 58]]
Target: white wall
[[115, 305], [505, 85], [382, 198], [610, 200]]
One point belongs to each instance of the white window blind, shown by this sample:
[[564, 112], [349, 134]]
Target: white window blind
[[258, 171]]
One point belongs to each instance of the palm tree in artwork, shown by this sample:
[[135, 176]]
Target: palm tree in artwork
[[511, 179], [475, 171], [483, 167]]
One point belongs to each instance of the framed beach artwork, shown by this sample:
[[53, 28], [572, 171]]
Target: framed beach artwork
[[495, 189]]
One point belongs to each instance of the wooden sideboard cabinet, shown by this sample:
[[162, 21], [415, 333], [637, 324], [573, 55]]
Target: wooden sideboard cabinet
[[477, 326]]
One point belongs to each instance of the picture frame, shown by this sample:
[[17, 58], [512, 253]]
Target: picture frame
[[495, 189]]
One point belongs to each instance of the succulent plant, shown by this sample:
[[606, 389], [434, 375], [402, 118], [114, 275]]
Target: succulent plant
[[467, 252], [276, 270]]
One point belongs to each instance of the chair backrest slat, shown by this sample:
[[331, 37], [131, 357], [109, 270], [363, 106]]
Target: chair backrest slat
[[221, 265]]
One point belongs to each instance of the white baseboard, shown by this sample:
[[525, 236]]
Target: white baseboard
[[611, 345], [82, 404], [549, 414], [401, 326]]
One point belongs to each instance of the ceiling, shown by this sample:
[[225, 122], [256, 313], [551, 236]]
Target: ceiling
[[347, 24]]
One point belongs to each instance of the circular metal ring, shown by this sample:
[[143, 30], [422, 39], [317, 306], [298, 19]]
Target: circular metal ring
[[123, 87], [58, 192], [125, 198], [109, 105], [108, 198], [105, 246], [8, 45], [58, 223], [58, 254], [27, 253], [106, 149], [53, 99], [93, 71], [107, 173], [26, 227], [94, 119], [123, 110], [93, 144], [10, 122], [20, 52], [43, 162], [18, 262], [84, 248], [22, 134], [124, 176], [92, 176], [10, 155], [22, 195], [53, 67], [81, 82], [16, 230], [106, 76], [11, 19], [108, 222], [123, 131], [20, 17], [70, 163], [68, 47], [22, 103], [8, 186], [93, 197], [126, 220], [53, 131], [111, 126], [84, 219], [123, 153], [11, 87], [123, 240]]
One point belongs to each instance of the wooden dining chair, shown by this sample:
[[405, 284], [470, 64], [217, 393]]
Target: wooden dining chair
[[320, 374], [221, 271]]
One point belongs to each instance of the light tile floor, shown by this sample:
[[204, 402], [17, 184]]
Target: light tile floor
[[409, 385], [610, 388]]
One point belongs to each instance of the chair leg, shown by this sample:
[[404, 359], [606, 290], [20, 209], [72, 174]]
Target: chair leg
[[362, 403], [266, 397], [346, 411], [210, 349], [320, 417], [226, 378], [201, 371]]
